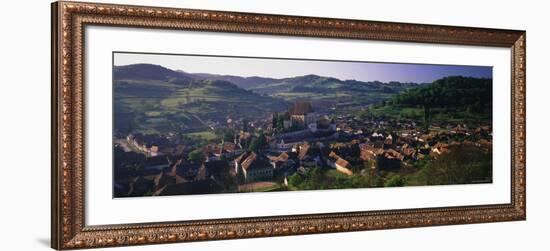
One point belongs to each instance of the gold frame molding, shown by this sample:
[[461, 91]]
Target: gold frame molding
[[68, 226]]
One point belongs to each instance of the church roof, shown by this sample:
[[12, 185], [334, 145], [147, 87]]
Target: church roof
[[301, 108]]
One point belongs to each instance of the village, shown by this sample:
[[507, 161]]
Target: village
[[283, 151]]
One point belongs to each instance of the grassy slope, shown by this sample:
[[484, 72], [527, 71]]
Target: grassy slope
[[155, 106], [330, 90], [452, 99]]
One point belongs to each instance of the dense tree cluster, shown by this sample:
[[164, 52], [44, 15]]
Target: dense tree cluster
[[472, 94]]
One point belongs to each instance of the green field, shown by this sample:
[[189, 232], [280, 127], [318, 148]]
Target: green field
[[156, 107], [205, 135]]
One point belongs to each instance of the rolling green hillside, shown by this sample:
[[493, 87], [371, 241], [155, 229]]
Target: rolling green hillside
[[157, 100], [324, 92], [154, 100], [450, 99], [331, 92], [241, 82]]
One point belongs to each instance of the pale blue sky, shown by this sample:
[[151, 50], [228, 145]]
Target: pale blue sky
[[282, 68]]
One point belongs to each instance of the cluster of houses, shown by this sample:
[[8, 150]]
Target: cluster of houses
[[149, 144], [225, 150], [163, 175], [394, 153], [344, 143], [154, 145]]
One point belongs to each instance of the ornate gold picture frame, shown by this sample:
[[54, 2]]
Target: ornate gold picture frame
[[69, 230]]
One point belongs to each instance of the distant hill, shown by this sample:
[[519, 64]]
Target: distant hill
[[156, 99], [323, 92], [309, 83], [320, 84], [145, 71], [242, 82], [329, 93]]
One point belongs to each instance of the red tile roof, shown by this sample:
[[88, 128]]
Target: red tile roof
[[255, 162]]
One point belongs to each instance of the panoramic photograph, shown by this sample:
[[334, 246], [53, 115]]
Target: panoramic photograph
[[195, 124]]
